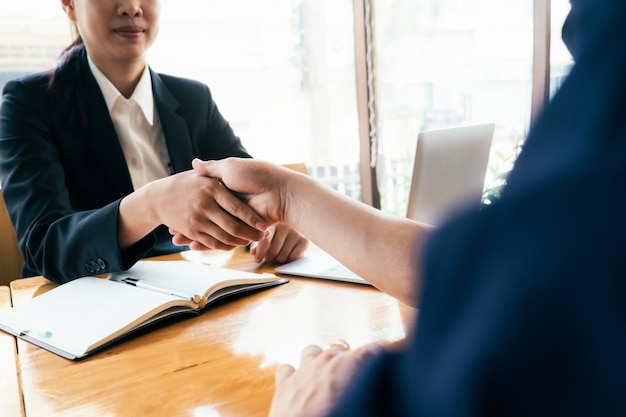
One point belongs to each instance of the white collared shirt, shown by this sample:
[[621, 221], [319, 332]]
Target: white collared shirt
[[138, 127]]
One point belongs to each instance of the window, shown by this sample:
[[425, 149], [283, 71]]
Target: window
[[442, 63], [283, 73], [31, 37]]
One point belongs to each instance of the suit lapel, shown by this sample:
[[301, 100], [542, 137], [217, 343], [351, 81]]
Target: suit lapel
[[102, 139], [103, 142], [175, 127]]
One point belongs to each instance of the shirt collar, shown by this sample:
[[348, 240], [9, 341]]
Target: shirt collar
[[142, 94]]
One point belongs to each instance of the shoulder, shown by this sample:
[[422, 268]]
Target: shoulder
[[169, 79], [32, 82], [180, 86], [190, 98], [27, 94]]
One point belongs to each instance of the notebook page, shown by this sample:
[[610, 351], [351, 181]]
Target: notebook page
[[74, 316], [189, 277]]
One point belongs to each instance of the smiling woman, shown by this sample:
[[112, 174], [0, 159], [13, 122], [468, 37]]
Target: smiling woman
[[104, 120]]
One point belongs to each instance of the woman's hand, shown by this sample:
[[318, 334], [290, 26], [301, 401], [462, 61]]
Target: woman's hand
[[280, 244], [199, 207]]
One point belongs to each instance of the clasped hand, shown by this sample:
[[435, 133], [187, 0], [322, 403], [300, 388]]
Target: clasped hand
[[215, 218]]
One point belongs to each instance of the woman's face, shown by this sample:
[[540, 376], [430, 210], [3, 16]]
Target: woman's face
[[115, 30]]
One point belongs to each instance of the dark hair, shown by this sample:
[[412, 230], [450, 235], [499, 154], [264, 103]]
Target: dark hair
[[65, 88]]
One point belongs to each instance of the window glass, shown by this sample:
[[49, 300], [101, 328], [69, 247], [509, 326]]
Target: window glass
[[443, 63], [31, 37], [281, 71]]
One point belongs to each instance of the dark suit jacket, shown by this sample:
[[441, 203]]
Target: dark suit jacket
[[62, 186]]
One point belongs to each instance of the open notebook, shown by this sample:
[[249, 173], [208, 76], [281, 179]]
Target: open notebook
[[82, 316], [448, 174], [319, 264]]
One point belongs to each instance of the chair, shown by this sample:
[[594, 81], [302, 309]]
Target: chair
[[299, 166], [11, 259]]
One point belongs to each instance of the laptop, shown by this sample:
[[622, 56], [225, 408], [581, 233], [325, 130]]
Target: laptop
[[448, 174], [449, 171]]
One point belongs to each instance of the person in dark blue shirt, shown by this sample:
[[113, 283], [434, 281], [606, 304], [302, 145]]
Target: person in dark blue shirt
[[522, 304]]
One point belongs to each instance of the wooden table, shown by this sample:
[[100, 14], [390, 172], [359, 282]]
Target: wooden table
[[11, 403], [219, 364]]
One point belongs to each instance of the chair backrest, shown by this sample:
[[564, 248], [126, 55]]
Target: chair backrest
[[11, 260], [298, 166]]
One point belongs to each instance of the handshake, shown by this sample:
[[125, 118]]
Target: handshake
[[240, 202]]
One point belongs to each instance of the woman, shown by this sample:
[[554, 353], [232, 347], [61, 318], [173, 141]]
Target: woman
[[95, 155]]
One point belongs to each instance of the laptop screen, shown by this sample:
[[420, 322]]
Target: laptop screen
[[449, 171]]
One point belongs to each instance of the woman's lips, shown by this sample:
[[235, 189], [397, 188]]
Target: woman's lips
[[129, 32]]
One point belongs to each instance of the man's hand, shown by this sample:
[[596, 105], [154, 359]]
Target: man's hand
[[314, 389]]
